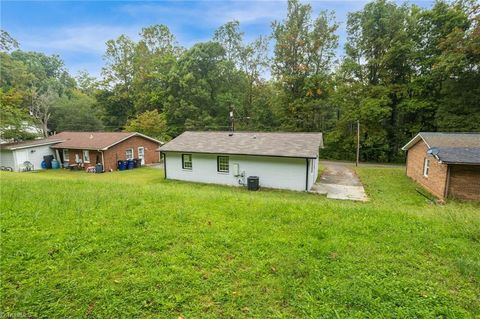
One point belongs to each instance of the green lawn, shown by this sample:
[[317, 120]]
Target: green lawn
[[130, 244]]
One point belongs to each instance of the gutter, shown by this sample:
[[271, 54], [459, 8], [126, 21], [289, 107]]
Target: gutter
[[238, 154], [164, 165], [103, 160], [447, 183], [306, 175], [14, 148]]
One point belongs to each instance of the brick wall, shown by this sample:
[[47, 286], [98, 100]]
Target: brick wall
[[94, 156], [435, 182], [464, 182], [117, 152]]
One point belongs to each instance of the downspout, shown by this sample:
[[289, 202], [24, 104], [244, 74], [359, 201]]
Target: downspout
[[164, 165], [306, 175], [406, 163], [103, 161], [447, 183]]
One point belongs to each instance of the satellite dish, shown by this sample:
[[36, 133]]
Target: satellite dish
[[433, 151]]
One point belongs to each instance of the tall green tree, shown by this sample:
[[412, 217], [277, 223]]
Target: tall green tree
[[202, 88], [251, 59], [151, 123], [155, 55], [75, 113], [303, 63]]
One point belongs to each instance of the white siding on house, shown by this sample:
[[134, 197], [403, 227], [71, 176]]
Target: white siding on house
[[34, 154], [6, 158], [273, 172], [312, 172]]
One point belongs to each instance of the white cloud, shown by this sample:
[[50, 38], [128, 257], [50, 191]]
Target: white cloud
[[211, 13], [90, 39]]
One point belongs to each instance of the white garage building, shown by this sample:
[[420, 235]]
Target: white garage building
[[14, 155], [280, 160]]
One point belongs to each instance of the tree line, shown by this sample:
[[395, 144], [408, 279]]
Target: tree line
[[403, 69]]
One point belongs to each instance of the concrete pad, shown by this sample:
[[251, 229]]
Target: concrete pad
[[340, 182]]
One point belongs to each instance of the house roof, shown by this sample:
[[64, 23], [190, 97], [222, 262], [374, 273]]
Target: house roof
[[450, 148], [459, 155], [94, 140], [301, 145], [27, 144]]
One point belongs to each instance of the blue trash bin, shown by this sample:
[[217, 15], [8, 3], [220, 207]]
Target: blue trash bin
[[130, 164], [122, 165]]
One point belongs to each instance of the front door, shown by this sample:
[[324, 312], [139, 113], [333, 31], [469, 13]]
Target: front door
[[141, 154]]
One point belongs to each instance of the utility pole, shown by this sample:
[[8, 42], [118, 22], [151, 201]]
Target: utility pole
[[358, 142]]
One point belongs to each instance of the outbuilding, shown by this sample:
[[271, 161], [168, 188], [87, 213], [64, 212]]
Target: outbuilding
[[279, 160], [446, 164], [17, 156]]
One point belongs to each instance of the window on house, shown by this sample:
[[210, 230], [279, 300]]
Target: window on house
[[426, 167], [129, 154], [187, 161], [86, 156], [65, 155], [222, 164]]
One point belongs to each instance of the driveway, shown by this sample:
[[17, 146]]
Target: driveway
[[338, 181]]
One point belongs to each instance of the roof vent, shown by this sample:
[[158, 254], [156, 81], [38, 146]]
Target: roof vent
[[91, 136], [254, 137], [230, 134]]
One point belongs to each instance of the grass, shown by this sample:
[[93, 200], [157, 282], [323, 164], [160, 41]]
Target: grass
[[130, 244]]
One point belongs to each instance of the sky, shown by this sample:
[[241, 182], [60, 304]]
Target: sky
[[78, 30]]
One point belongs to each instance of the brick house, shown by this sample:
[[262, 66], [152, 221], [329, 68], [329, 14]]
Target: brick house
[[446, 164], [105, 148]]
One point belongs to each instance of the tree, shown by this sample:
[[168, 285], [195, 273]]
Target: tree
[[86, 83], [303, 64], [40, 107], [202, 88], [14, 120], [48, 72], [119, 58], [117, 96], [231, 39], [250, 58], [75, 113], [380, 53], [150, 123], [155, 55], [7, 43]]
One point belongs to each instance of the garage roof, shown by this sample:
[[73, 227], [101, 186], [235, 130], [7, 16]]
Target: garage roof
[[300, 145], [27, 144]]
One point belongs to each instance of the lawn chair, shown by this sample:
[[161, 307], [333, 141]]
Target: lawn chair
[[26, 167]]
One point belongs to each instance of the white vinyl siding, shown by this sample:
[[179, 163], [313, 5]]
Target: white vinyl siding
[[6, 158], [16, 158], [273, 172]]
